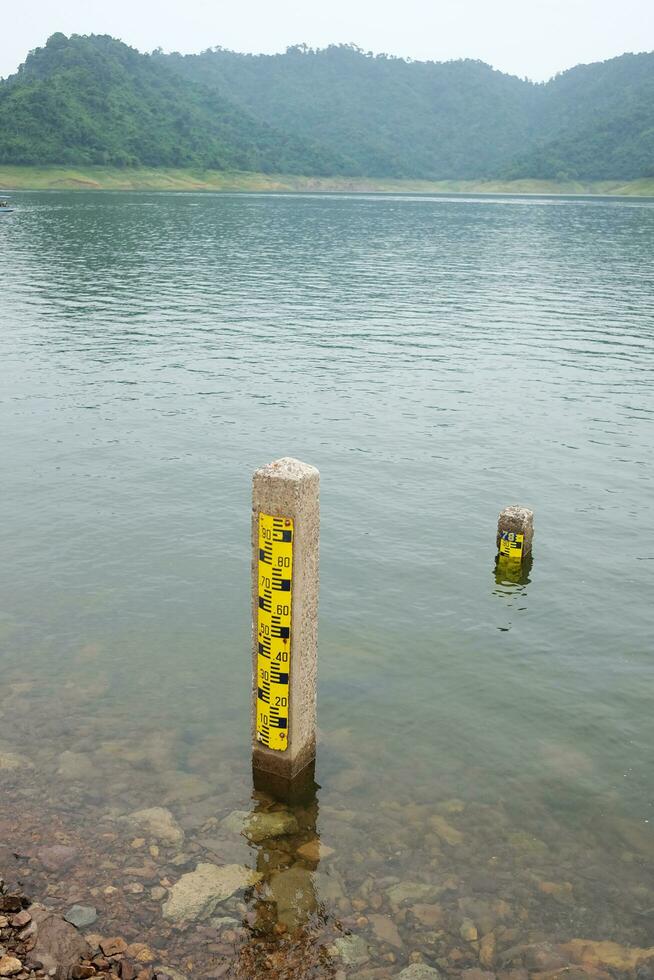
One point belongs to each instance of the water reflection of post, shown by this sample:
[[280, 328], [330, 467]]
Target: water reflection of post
[[285, 917], [508, 571]]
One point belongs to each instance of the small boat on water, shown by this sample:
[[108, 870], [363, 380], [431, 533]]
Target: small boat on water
[[5, 206]]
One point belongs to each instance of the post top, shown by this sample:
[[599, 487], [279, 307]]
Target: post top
[[288, 468], [518, 512]]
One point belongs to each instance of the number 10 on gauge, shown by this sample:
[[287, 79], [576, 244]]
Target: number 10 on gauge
[[275, 593]]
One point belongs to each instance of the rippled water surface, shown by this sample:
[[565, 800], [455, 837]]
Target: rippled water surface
[[437, 359]]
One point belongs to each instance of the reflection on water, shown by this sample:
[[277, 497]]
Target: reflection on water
[[485, 794], [512, 575]]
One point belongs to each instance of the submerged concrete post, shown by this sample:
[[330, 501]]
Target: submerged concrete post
[[285, 542], [515, 532]]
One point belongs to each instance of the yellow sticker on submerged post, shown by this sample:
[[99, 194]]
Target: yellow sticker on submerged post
[[511, 545], [275, 592]]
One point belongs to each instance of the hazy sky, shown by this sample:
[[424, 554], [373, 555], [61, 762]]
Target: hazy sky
[[526, 37]]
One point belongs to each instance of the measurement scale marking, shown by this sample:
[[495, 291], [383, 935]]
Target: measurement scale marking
[[511, 544], [274, 588]]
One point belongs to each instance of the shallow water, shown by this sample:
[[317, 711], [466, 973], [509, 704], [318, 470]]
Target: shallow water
[[437, 358]]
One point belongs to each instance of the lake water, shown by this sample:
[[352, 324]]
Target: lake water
[[485, 744]]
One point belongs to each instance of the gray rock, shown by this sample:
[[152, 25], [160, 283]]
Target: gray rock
[[81, 916], [419, 971], [352, 950], [158, 822], [197, 894]]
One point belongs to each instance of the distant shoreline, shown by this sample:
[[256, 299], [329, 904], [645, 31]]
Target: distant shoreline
[[168, 179]]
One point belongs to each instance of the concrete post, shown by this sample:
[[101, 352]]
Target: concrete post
[[285, 542], [515, 532]]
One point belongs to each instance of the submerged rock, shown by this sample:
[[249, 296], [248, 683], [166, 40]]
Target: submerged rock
[[419, 971], [294, 894], [76, 766], [182, 787], [428, 915], [328, 886], [10, 761], [158, 822], [258, 827], [412, 891], [58, 945], [593, 953], [56, 857], [81, 916], [9, 966], [196, 895], [314, 851], [559, 891], [468, 931], [385, 930], [168, 971], [446, 831], [352, 950]]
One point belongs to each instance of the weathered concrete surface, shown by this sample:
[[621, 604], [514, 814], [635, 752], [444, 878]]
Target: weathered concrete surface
[[289, 488], [520, 520]]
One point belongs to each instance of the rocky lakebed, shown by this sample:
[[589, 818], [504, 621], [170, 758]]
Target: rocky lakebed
[[189, 891]]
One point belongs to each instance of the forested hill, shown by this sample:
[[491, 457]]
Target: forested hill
[[94, 100], [386, 116], [337, 111]]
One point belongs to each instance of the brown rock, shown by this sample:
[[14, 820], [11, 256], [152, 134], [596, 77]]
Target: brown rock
[[58, 944], [127, 970], [428, 915], [9, 966], [468, 931], [10, 903], [80, 972], [314, 851], [57, 857], [141, 953], [446, 831], [20, 919], [561, 892], [487, 949], [113, 947], [543, 957], [385, 930], [592, 953]]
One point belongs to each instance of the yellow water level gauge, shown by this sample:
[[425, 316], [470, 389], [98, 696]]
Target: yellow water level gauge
[[275, 592], [511, 544]]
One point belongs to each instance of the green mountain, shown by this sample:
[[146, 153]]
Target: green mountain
[[337, 111], [94, 100], [595, 122], [387, 117]]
